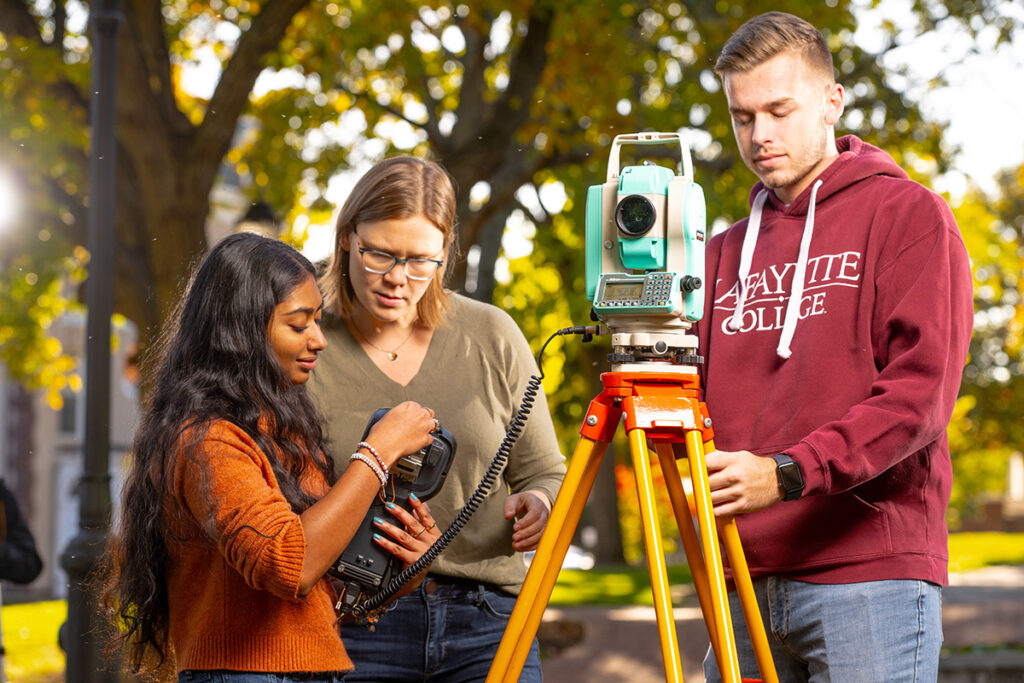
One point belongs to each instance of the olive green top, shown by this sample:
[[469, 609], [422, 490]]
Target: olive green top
[[473, 376]]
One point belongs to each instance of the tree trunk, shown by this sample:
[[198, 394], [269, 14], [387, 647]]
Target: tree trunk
[[603, 505]]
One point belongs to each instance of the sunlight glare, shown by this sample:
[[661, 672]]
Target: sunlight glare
[[9, 201]]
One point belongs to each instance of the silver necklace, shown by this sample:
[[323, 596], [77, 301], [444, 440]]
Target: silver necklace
[[393, 354]]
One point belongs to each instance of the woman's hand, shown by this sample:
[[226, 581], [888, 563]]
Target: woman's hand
[[414, 533], [404, 429], [530, 510]]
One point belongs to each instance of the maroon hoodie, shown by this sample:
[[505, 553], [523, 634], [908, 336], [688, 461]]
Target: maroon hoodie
[[859, 385]]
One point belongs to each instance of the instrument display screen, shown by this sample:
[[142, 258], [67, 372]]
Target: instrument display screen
[[623, 291]]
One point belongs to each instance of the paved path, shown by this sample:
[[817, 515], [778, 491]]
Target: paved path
[[984, 607]]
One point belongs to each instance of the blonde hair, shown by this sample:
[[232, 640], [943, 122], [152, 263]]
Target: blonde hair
[[396, 188], [770, 34]]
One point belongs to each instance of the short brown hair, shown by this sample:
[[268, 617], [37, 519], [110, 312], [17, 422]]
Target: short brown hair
[[770, 34], [396, 188]]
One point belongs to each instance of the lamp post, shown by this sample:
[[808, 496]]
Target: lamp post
[[85, 660]]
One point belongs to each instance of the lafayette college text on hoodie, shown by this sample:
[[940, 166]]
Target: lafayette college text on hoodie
[[854, 377]]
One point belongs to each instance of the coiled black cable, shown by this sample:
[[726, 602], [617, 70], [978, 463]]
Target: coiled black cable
[[482, 490]]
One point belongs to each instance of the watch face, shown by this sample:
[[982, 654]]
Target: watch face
[[791, 479]]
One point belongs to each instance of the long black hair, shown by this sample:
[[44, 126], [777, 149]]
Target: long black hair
[[214, 362]]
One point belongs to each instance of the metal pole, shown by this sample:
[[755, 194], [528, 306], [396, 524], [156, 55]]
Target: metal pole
[[85, 659]]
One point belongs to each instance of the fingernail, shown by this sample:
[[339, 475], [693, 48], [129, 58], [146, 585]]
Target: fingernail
[[377, 520], [412, 496], [389, 506], [378, 537]]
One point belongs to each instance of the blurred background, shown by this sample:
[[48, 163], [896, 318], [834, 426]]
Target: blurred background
[[259, 114]]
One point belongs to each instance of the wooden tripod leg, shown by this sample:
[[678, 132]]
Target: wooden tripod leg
[[655, 558], [691, 544], [722, 626], [540, 579], [745, 589]]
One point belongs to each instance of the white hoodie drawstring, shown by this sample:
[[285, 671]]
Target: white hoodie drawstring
[[797, 293], [747, 256]]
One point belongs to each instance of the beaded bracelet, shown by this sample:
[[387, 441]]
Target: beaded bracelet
[[373, 466], [376, 455]]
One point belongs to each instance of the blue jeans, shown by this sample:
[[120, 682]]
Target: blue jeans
[[256, 677], [850, 633], [441, 632]]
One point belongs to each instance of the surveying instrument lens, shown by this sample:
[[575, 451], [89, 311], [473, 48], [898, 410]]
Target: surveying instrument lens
[[635, 215]]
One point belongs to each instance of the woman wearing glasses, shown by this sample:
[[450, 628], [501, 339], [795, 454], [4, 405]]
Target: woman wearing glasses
[[395, 334]]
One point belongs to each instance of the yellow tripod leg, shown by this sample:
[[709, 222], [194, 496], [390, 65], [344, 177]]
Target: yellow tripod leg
[[540, 579], [691, 544], [745, 589], [722, 627], [655, 558]]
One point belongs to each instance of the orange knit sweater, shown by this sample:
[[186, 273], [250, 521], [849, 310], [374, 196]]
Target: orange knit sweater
[[236, 554]]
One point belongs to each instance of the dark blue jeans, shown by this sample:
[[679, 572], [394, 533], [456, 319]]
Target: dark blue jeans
[[441, 632], [256, 677]]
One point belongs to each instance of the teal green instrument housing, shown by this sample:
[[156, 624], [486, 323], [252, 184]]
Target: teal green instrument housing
[[645, 180], [642, 253]]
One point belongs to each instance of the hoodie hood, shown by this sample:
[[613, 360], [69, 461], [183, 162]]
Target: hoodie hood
[[857, 160]]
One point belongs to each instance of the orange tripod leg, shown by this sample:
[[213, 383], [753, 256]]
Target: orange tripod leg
[[655, 558], [745, 590], [540, 579], [722, 627], [691, 543]]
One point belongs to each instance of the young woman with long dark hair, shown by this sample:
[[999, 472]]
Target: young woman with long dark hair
[[232, 513]]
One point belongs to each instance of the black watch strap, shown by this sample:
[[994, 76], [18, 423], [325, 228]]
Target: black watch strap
[[791, 477]]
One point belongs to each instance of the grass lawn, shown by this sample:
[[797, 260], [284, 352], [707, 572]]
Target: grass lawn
[[30, 639], [30, 629]]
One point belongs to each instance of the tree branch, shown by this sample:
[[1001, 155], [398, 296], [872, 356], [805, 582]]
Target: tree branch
[[214, 135], [16, 20]]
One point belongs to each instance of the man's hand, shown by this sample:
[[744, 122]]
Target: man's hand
[[741, 482], [531, 510]]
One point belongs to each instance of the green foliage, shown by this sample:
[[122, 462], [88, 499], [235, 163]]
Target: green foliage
[[31, 299], [987, 426]]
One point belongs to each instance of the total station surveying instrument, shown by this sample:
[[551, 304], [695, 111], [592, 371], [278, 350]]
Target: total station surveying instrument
[[645, 238]]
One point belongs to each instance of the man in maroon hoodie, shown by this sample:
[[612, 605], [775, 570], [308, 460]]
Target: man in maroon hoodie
[[836, 326]]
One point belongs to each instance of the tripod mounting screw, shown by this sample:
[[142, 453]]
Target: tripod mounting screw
[[591, 420]]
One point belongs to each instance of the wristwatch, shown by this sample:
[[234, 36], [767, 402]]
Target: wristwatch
[[791, 479]]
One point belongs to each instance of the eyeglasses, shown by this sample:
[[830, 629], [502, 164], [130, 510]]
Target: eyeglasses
[[381, 262]]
